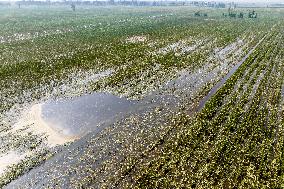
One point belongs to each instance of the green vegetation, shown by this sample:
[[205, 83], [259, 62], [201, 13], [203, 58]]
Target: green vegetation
[[235, 141], [50, 44]]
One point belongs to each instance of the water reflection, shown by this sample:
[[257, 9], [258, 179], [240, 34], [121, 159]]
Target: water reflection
[[77, 116]]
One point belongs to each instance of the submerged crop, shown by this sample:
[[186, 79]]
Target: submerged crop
[[165, 59]]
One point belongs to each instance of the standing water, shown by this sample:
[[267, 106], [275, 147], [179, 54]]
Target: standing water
[[77, 116], [69, 119], [214, 90]]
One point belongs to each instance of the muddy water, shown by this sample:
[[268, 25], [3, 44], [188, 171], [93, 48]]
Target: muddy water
[[78, 116]]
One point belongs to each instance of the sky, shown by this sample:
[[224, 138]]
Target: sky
[[249, 1]]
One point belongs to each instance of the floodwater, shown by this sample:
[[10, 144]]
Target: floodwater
[[77, 116], [66, 120], [214, 90]]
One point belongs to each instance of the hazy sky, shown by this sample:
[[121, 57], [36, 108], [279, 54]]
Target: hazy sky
[[250, 1]]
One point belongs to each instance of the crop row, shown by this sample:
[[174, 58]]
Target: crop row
[[42, 51], [232, 143]]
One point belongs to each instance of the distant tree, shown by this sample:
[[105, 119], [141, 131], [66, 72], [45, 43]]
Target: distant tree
[[73, 7], [221, 5], [197, 13], [252, 14]]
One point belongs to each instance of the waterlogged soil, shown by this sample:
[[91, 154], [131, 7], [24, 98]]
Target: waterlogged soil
[[132, 125], [107, 128], [9, 158], [223, 81], [106, 131], [111, 141]]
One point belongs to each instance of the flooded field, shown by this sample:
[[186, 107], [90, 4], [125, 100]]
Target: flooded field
[[66, 120], [140, 97], [78, 116]]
